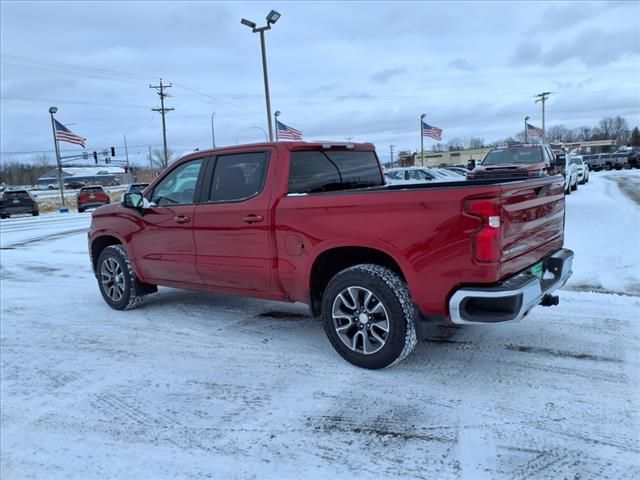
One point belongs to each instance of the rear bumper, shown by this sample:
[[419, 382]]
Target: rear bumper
[[92, 204], [514, 297], [11, 210]]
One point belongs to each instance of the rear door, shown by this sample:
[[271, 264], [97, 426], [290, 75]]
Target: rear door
[[232, 227], [163, 247]]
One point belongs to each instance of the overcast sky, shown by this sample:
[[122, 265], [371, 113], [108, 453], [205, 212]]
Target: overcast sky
[[365, 70]]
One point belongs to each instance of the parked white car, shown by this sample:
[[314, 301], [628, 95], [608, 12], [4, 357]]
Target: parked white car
[[409, 175], [582, 168], [570, 175]]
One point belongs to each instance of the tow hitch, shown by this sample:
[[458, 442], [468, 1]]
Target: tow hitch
[[550, 300]]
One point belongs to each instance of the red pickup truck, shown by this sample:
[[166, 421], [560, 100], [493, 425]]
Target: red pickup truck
[[315, 223]]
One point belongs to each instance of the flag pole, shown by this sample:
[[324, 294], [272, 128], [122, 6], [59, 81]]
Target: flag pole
[[276, 115], [525, 129], [422, 140], [53, 110]]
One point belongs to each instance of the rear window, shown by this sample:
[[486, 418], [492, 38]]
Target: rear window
[[513, 155], [92, 189], [329, 170], [21, 195]]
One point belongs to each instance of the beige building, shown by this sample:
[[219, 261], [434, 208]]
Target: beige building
[[461, 157]]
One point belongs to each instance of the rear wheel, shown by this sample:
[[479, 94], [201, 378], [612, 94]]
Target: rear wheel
[[368, 316], [80, 210], [116, 279]]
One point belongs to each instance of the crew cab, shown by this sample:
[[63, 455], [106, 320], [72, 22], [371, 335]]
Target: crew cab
[[91, 197], [315, 223], [15, 202]]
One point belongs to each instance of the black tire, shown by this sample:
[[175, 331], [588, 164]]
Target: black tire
[[567, 191], [35, 213], [119, 294], [80, 210], [574, 187], [398, 312]]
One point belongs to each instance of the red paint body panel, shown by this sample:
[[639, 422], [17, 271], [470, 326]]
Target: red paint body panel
[[425, 230]]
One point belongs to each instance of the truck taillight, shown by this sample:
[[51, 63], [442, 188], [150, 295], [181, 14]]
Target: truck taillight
[[486, 241]]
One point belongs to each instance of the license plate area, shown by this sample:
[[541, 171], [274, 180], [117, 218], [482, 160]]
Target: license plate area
[[537, 270]]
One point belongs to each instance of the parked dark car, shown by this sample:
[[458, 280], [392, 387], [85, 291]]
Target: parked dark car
[[74, 184], [92, 197], [14, 202]]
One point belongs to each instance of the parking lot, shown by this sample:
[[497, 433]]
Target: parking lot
[[194, 385]]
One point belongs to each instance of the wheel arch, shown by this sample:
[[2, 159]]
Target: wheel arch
[[99, 243], [328, 263]]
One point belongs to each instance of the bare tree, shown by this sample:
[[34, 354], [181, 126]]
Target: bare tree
[[474, 142], [42, 160], [614, 128], [157, 159]]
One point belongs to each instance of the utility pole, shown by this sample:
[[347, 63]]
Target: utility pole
[[391, 152], [160, 88], [150, 159], [542, 97], [126, 151]]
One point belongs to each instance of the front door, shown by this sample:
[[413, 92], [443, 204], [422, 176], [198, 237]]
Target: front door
[[164, 245]]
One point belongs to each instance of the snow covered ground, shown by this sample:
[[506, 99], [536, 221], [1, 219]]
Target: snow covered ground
[[208, 386]]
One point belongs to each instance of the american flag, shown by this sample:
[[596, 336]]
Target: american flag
[[433, 132], [534, 131], [287, 133], [63, 134]]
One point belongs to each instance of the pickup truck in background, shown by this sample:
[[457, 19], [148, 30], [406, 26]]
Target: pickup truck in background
[[315, 223]]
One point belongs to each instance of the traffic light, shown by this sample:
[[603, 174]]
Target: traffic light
[[95, 157], [113, 151]]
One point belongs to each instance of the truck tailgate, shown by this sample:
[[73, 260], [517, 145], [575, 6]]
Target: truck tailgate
[[532, 216]]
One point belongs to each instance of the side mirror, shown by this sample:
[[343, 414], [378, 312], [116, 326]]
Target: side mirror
[[133, 200], [471, 164]]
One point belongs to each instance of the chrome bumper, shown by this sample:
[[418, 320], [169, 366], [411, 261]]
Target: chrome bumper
[[513, 298]]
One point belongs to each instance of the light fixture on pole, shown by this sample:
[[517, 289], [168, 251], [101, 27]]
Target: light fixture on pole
[[276, 115], [263, 131], [213, 133], [422, 139], [272, 18], [525, 129], [52, 111]]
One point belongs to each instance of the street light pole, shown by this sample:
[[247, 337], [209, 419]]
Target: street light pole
[[276, 115], [213, 133], [272, 18], [52, 111], [263, 131], [525, 129], [422, 139]]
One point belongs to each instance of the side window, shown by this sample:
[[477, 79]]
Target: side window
[[179, 186], [238, 177]]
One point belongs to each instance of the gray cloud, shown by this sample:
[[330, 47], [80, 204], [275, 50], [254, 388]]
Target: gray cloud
[[462, 64], [383, 76]]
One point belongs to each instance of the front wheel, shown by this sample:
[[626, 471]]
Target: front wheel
[[368, 316], [116, 279]]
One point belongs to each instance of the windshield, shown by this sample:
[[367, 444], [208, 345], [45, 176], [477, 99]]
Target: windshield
[[92, 189], [503, 156]]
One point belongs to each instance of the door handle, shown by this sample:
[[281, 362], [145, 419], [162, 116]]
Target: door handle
[[253, 218], [181, 219]]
